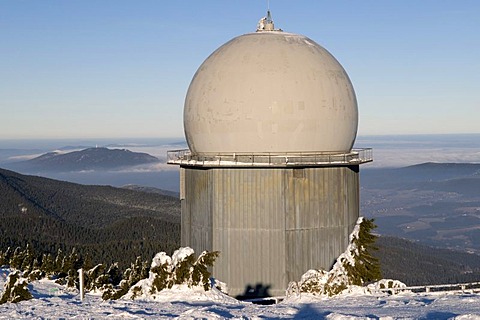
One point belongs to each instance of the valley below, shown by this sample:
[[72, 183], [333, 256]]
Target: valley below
[[433, 203]]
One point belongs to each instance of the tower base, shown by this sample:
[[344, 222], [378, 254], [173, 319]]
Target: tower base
[[270, 225]]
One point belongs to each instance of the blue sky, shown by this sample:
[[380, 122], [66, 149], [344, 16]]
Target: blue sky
[[106, 69]]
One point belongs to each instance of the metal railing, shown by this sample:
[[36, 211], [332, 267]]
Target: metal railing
[[185, 157], [456, 288]]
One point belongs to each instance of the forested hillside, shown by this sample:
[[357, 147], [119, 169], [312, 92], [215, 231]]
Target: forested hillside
[[109, 224], [417, 264]]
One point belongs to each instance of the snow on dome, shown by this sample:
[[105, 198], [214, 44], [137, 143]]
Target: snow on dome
[[270, 92]]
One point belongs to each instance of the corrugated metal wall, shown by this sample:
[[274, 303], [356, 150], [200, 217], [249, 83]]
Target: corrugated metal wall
[[270, 225]]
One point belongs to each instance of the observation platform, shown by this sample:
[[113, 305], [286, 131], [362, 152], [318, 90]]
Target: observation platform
[[185, 157]]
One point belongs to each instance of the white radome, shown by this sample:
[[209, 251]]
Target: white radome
[[270, 92]]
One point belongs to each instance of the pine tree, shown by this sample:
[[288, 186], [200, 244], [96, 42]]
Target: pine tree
[[2, 259], [7, 255], [28, 258], [182, 269], [114, 274], [70, 266], [139, 271], [58, 262], [367, 267], [17, 258], [36, 273], [356, 266], [48, 264], [92, 275], [200, 271], [162, 277], [15, 289], [87, 262], [124, 286]]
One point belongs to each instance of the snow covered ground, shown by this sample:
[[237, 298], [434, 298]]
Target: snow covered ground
[[52, 301]]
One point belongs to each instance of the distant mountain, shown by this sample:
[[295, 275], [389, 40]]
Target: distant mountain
[[109, 224], [417, 264], [87, 159], [151, 190], [430, 171]]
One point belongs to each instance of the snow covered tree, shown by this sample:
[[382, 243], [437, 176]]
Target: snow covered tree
[[87, 262], [182, 262], [95, 278], [48, 264], [122, 288], [75, 263], [36, 273], [164, 272], [15, 289], [114, 274], [7, 255], [161, 270], [131, 276], [200, 273], [58, 262], [181, 268], [17, 258], [139, 270], [356, 266], [2, 259], [28, 258], [366, 267]]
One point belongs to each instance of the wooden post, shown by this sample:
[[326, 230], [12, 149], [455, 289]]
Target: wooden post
[[80, 276]]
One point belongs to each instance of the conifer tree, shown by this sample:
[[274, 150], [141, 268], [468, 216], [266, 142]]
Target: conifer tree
[[71, 265], [17, 258], [37, 264], [28, 258], [182, 269], [162, 277], [2, 259], [356, 266], [124, 286], [200, 273], [36, 273], [15, 289], [367, 267], [48, 264], [114, 274], [58, 262], [7, 255], [87, 262], [92, 275]]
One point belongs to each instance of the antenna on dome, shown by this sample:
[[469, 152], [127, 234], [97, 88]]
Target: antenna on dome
[[266, 23]]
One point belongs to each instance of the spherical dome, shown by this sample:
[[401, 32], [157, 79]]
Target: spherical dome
[[270, 92]]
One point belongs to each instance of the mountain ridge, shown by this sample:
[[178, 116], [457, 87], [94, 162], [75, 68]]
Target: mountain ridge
[[98, 158]]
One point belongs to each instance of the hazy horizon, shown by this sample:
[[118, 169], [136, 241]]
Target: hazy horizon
[[388, 150]]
